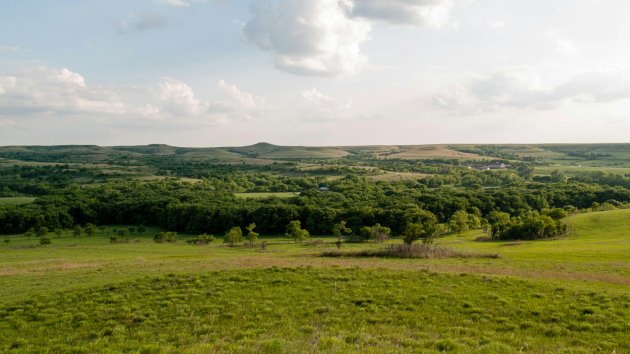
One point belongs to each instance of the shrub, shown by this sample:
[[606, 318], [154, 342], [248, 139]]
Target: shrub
[[45, 241], [294, 230], [233, 237], [168, 236], [203, 239]]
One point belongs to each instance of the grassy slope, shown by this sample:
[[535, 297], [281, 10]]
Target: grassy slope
[[569, 294]]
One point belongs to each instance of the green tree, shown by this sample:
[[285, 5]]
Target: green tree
[[58, 232], [380, 233], [77, 230], [499, 223], [459, 221], [45, 241], [413, 232], [340, 230], [252, 236], [90, 230], [42, 231], [294, 230], [233, 236], [426, 232]]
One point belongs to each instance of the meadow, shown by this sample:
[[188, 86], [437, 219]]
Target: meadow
[[86, 294]]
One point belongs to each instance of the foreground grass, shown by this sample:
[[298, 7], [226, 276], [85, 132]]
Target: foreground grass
[[319, 309], [85, 294]]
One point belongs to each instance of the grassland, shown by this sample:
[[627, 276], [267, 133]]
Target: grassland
[[266, 195], [85, 294], [16, 200]]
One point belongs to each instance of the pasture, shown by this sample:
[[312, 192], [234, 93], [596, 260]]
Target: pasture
[[16, 200], [564, 295]]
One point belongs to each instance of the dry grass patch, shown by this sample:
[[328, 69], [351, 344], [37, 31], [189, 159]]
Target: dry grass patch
[[409, 251]]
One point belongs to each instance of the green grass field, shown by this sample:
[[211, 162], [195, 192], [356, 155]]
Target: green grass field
[[83, 294], [16, 200], [266, 195]]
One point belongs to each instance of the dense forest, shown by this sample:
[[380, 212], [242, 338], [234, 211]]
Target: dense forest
[[197, 197]]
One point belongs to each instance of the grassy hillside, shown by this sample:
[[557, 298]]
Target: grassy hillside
[[569, 294]]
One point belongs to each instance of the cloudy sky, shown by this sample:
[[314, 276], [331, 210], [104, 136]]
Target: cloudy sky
[[313, 72]]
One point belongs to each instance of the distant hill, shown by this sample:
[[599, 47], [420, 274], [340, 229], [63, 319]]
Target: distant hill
[[607, 155]]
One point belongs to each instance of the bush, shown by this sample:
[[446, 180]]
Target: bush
[[45, 241], [163, 237], [201, 240], [233, 237]]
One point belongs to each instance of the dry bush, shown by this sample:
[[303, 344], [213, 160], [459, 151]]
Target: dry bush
[[409, 251]]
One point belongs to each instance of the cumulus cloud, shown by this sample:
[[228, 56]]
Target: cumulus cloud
[[235, 103], [52, 90], [314, 105], [58, 92], [309, 37], [522, 87], [432, 13], [176, 98], [324, 37]]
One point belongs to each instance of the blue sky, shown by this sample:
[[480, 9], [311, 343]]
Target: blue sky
[[313, 72]]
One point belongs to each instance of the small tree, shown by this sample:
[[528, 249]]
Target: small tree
[[499, 223], [233, 237], [252, 236], [141, 229], [45, 241], [380, 233], [90, 230], [340, 230], [459, 221], [76, 231], [426, 232], [42, 231], [58, 232], [162, 237], [295, 231], [413, 232]]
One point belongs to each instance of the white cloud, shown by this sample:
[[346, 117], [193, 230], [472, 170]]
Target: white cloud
[[176, 98], [314, 105], [324, 37], [309, 37], [431, 13], [521, 87], [234, 103], [50, 90], [57, 92]]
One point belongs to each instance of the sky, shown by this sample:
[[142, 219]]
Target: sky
[[313, 72]]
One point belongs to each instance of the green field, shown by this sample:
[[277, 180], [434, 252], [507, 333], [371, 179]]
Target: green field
[[564, 295], [16, 200], [254, 195]]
